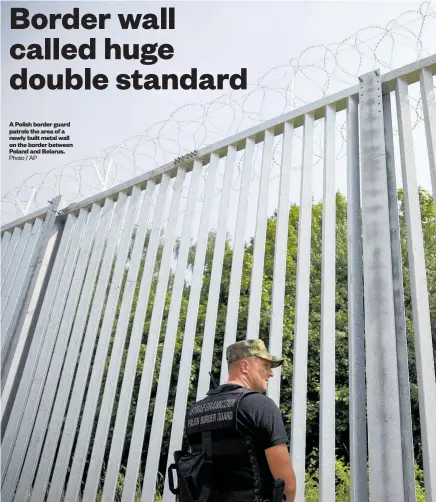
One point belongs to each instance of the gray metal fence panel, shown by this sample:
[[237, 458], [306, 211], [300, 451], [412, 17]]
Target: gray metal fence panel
[[11, 300], [356, 345], [237, 262], [327, 457], [41, 345], [11, 297], [400, 321], [15, 264], [419, 292], [6, 237], [95, 465], [160, 406], [299, 379], [67, 345], [384, 439], [10, 253], [191, 321], [54, 431], [28, 283], [215, 277], [80, 453], [279, 274], [24, 327], [429, 112], [152, 339], [117, 351], [22, 423], [44, 397], [84, 294], [260, 239]]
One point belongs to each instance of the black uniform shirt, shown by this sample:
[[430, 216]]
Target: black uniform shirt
[[258, 417]]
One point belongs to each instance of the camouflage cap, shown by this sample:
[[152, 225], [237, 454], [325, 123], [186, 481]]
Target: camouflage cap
[[248, 348]]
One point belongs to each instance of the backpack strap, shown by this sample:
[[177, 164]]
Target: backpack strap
[[206, 442], [244, 392]]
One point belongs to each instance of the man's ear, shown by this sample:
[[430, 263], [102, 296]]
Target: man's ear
[[244, 365]]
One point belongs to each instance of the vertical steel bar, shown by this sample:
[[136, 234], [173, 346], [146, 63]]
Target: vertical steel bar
[[327, 456], [104, 419], [9, 254], [299, 378], [14, 267], [400, 318], [70, 424], [215, 279], [260, 239], [429, 110], [119, 432], [279, 273], [67, 346], [171, 330], [41, 346], [419, 293], [23, 424], [383, 406], [238, 257], [356, 340], [191, 321], [91, 400], [6, 237]]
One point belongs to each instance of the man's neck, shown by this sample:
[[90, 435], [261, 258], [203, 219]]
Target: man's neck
[[238, 381]]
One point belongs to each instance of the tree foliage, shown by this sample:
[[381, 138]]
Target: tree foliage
[[341, 333]]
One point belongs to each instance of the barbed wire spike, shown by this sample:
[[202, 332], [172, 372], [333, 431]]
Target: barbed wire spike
[[104, 182], [29, 203]]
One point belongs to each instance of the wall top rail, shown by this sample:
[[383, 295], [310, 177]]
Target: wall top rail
[[410, 72], [30, 218]]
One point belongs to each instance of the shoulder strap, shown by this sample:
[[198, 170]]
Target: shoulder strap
[[245, 392], [206, 442]]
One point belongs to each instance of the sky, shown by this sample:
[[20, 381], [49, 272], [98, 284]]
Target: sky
[[215, 37]]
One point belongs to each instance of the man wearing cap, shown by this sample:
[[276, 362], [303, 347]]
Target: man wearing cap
[[242, 431]]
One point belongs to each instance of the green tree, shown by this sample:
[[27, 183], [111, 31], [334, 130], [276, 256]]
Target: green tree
[[341, 333]]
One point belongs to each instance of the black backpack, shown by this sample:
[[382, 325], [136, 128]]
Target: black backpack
[[193, 473]]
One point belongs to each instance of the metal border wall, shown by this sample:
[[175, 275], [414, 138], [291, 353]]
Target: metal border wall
[[109, 277], [28, 245]]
